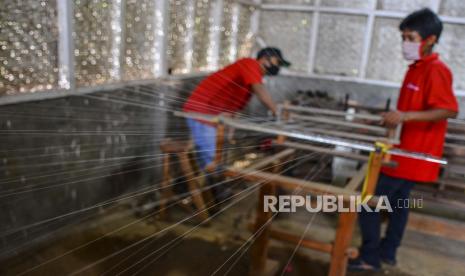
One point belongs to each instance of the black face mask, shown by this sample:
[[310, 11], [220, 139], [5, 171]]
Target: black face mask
[[272, 70]]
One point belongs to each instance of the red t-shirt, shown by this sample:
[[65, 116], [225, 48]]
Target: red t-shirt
[[427, 85], [227, 90]]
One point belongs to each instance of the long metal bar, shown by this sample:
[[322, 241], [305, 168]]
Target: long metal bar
[[213, 51], [233, 49], [189, 39], [323, 111], [339, 123], [309, 136], [455, 137], [161, 24], [367, 43], [331, 151], [313, 39], [63, 92], [65, 44], [352, 11], [457, 121], [345, 134], [118, 11]]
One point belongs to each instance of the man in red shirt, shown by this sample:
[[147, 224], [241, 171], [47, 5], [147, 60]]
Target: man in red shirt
[[425, 103], [226, 92]]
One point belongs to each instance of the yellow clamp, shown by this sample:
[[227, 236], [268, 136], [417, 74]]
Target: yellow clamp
[[379, 147]]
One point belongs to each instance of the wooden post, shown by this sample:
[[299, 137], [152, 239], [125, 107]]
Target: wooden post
[[219, 144], [220, 135], [165, 191], [339, 255], [259, 250], [345, 228], [193, 185]]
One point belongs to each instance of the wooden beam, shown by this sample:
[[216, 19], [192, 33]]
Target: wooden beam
[[339, 255], [166, 191], [259, 249], [194, 187], [290, 183], [435, 226], [270, 159], [357, 179], [291, 238], [220, 129]]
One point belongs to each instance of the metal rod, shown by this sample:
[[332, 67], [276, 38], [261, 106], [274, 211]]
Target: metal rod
[[339, 123], [345, 134], [313, 39], [331, 112], [65, 44], [308, 136], [351, 11], [161, 25], [213, 50]]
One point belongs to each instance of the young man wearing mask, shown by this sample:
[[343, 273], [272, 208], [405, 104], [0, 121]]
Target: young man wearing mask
[[425, 103], [226, 92]]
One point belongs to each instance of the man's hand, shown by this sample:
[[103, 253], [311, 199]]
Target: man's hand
[[263, 95], [393, 118]]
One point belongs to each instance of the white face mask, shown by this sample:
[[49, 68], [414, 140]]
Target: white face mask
[[411, 50]]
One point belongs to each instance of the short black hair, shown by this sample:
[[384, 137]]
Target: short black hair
[[424, 21]]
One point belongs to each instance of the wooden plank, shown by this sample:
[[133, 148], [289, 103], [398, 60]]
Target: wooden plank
[[357, 179], [307, 243], [219, 148], [339, 255], [271, 268], [289, 182], [175, 146], [166, 191], [435, 226], [270, 159]]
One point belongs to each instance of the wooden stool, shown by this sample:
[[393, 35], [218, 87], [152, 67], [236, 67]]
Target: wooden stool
[[181, 149]]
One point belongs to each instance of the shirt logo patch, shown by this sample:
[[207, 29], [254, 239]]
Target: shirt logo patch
[[413, 87]]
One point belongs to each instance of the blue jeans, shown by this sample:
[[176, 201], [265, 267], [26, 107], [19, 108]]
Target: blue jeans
[[204, 137], [373, 248]]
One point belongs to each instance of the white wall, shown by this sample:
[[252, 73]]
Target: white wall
[[357, 40]]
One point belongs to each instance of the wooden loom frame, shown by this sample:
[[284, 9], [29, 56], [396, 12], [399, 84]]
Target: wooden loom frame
[[340, 249]]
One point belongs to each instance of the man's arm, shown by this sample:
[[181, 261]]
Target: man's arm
[[394, 118], [264, 96]]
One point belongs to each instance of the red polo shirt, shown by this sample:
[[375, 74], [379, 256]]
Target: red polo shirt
[[227, 90], [427, 85]]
